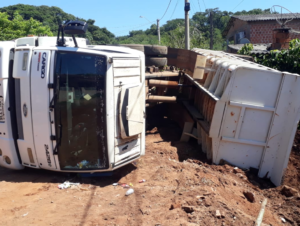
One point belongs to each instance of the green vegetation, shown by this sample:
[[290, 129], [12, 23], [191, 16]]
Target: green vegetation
[[51, 17], [282, 60], [246, 49], [172, 33], [18, 27]]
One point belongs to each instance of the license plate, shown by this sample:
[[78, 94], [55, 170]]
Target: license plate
[[2, 118]]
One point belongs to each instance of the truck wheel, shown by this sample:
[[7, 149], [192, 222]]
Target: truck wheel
[[135, 46], [156, 61], [154, 50]]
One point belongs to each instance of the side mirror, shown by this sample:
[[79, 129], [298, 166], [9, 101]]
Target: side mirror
[[75, 27]]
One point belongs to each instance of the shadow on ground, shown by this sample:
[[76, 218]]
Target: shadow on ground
[[46, 176], [169, 130]]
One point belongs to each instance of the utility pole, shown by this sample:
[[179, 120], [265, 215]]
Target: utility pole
[[187, 24], [158, 31], [211, 30]]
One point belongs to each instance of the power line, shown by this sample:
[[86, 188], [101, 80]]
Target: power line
[[166, 10], [193, 8], [129, 26], [238, 5], [199, 5], [174, 9], [204, 4], [133, 28]]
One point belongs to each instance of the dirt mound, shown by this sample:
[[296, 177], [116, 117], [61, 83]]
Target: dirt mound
[[181, 188]]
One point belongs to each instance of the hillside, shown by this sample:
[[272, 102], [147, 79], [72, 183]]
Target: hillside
[[53, 16], [172, 32]]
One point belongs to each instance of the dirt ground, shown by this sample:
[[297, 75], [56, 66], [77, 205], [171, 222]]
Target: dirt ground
[[181, 188]]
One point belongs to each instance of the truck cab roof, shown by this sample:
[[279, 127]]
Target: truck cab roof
[[83, 46]]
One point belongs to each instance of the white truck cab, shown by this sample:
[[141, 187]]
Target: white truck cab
[[70, 107]]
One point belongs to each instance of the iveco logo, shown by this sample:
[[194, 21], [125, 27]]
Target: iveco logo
[[25, 110], [43, 65]]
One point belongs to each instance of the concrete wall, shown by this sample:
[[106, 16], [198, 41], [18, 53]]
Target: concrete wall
[[262, 31]]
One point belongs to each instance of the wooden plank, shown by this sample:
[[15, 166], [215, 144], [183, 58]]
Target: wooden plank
[[179, 114], [188, 127], [191, 135], [209, 153], [201, 99], [212, 109], [204, 125], [199, 73], [199, 133], [162, 74], [204, 146], [172, 56], [205, 106], [193, 111]]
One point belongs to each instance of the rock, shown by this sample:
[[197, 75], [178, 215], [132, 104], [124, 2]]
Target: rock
[[218, 214], [224, 162], [234, 183], [207, 203], [188, 209], [236, 170], [175, 205], [200, 197], [240, 175], [249, 195], [288, 191]]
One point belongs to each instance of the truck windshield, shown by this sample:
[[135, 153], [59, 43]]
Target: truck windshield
[[80, 111]]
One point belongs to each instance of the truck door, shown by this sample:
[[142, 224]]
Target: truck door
[[21, 73], [129, 108], [42, 116]]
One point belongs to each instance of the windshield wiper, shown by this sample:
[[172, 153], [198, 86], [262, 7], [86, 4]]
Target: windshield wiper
[[51, 105], [57, 138]]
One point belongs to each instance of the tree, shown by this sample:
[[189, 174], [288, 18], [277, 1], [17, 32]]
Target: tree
[[54, 16], [18, 27]]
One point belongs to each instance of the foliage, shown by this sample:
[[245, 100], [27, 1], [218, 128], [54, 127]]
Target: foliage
[[18, 27], [172, 32], [253, 12], [283, 60], [246, 49], [53, 16]]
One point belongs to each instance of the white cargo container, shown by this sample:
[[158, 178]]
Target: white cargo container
[[250, 113]]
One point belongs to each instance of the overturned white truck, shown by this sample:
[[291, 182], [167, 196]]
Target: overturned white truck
[[249, 113], [68, 106]]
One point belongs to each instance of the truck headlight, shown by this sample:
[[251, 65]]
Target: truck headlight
[[7, 160]]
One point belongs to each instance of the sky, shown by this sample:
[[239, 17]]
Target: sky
[[120, 16]]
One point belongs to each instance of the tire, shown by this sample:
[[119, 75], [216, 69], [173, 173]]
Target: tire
[[153, 50], [135, 46], [156, 61]]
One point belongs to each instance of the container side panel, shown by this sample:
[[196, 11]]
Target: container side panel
[[231, 120], [241, 155], [255, 125], [256, 87]]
